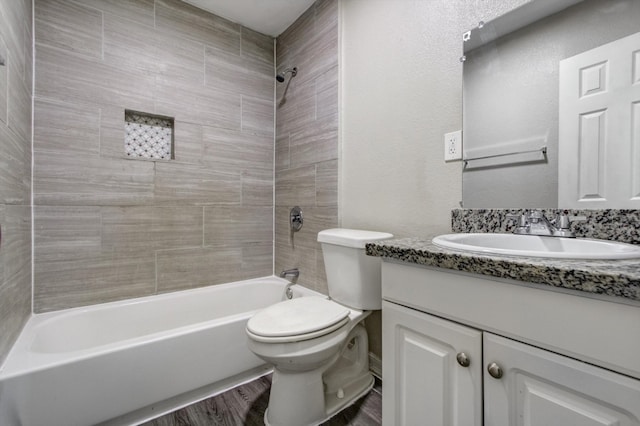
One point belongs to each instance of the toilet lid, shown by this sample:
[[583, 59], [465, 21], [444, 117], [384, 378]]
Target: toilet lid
[[299, 316]]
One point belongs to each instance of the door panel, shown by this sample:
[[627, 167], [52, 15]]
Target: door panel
[[541, 388], [423, 383], [599, 137]]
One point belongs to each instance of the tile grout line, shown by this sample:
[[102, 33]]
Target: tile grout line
[[241, 113], [156, 272], [102, 36], [100, 131], [273, 173], [33, 96]]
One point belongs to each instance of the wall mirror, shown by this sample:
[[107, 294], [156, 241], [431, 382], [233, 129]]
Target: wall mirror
[[511, 92]]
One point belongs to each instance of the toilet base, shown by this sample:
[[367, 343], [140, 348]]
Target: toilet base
[[355, 390], [336, 404], [311, 397]]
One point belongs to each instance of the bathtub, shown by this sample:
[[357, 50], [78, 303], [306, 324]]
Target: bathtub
[[127, 362]]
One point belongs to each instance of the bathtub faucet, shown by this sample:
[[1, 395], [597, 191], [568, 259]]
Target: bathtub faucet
[[295, 273]]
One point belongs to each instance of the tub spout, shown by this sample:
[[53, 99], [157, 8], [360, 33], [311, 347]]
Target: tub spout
[[294, 273]]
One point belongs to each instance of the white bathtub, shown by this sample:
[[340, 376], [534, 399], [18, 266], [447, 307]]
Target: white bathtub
[[126, 362]]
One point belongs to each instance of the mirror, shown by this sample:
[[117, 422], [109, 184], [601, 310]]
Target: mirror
[[510, 95]]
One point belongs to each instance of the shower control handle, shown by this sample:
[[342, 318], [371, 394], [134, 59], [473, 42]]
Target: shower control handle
[[295, 219]]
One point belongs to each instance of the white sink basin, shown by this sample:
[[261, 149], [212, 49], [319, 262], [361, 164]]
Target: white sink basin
[[535, 246]]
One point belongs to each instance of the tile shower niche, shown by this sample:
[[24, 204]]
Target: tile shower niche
[[148, 136]]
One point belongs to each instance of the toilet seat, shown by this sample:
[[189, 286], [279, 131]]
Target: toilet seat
[[297, 319]]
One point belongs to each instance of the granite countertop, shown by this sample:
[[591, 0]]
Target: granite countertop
[[618, 278]]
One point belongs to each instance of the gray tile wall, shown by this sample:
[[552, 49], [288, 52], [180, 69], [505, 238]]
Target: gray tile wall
[[16, 79], [306, 160], [109, 228]]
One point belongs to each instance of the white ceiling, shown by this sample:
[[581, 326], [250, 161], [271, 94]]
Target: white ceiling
[[270, 17]]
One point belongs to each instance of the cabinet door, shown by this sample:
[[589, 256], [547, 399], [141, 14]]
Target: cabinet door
[[539, 388], [423, 383]]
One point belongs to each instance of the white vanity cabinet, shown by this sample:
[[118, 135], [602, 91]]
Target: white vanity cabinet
[[435, 370], [539, 388], [555, 358]]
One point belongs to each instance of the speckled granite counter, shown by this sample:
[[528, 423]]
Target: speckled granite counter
[[619, 278]]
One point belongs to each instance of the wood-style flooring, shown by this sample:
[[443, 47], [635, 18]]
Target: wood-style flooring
[[245, 405]]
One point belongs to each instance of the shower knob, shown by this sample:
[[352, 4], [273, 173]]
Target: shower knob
[[295, 219]]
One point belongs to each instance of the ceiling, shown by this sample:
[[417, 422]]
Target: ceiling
[[270, 17]]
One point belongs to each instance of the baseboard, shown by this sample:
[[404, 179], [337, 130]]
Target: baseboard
[[375, 365]]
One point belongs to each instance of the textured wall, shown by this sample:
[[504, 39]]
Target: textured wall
[[401, 92], [16, 79], [306, 164], [401, 85], [109, 228]]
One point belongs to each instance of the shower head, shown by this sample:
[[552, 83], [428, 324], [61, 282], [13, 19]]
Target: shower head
[[293, 71]]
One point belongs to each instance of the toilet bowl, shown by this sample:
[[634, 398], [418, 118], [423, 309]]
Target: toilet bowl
[[317, 345]]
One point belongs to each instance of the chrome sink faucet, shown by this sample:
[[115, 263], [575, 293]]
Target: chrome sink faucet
[[536, 223]]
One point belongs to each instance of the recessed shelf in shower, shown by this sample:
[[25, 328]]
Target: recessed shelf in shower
[[148, 136]]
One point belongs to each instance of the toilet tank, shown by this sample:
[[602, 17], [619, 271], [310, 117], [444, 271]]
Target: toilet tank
[[352, 276]]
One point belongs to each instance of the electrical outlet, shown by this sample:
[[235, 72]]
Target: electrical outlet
[[453, 146]]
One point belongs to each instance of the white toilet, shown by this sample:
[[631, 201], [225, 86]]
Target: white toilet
[[317, 346]]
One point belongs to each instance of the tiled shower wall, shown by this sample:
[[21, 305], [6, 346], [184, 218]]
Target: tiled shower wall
[[307, 140], [108, 227], [16, 78]]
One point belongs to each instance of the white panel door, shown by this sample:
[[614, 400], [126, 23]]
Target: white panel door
[[599, 127], [541, 388], [423, 382]]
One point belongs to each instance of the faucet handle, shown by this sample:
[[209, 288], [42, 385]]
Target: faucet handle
[[578, 218], [521, 221], [563, 220], [512, 217], [563, 224]]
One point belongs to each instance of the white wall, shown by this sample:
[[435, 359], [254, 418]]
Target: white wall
[[401, 90]]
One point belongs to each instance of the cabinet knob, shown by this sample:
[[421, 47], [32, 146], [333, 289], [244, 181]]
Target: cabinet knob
[[494, 370], [463, 359]]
